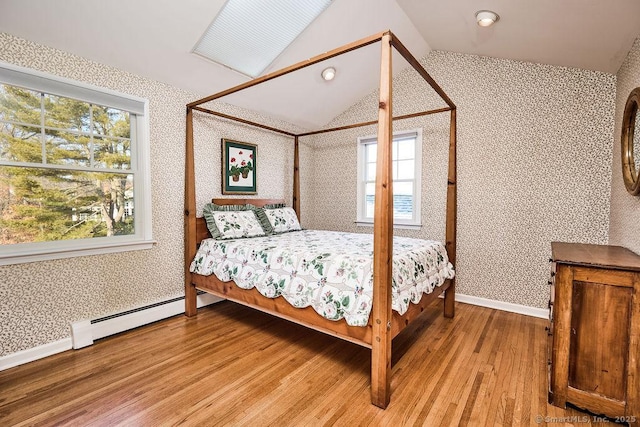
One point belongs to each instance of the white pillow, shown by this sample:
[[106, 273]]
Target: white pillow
[[283, 219], [236, 224]]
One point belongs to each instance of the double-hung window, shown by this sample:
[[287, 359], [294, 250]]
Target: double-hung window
[[407, 173], [74, 169]]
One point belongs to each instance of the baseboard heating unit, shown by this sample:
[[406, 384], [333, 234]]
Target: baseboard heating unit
[[85, 332]]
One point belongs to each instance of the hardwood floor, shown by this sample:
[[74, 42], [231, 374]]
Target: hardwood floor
[[231, 365]]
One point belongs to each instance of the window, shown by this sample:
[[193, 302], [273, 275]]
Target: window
[[73, 169], [407, 173], [248, 36]]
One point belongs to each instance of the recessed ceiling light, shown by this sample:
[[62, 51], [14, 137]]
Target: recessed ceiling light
[[328, 73], [486, 17]]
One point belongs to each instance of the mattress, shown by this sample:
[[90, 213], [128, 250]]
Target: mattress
[[327, 270]]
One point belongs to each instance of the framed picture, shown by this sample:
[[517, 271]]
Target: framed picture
[[239, 167]]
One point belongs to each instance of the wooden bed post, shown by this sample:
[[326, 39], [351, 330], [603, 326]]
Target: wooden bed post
[[190, 304], [296, 177], [384, 324], [450, 293], [383, 240]]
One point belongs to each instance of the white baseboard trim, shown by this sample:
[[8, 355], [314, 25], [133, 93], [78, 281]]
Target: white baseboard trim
[[29, 355], [504, 306], [84, 332]]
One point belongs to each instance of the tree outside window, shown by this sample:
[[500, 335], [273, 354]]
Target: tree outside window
[[65, 168]]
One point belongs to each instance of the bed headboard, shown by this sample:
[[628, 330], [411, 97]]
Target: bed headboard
[[202, 232]]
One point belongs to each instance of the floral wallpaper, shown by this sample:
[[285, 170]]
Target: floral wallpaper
[[39, 301], [534, 166], [624, 227]]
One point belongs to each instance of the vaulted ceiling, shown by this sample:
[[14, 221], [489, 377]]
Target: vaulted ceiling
[[154, 39]]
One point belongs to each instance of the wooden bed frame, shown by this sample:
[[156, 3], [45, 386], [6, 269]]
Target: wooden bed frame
[[384, 324]]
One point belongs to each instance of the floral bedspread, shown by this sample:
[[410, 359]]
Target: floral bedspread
[[330, 271]]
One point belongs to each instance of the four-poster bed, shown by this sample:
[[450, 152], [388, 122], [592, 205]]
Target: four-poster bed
[[384, 324]]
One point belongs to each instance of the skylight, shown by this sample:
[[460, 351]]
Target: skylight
[[247, 36]]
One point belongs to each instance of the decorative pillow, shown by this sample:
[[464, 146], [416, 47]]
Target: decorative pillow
[[214, 207], [232, 221], [282, 219], [264, 221]]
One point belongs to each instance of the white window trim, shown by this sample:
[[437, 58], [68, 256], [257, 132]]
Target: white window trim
[[416, 221], [143, 239]]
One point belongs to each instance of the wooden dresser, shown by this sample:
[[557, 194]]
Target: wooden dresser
[[594, 335]]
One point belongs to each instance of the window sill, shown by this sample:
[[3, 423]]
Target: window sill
[[26, 255], [398, 226]]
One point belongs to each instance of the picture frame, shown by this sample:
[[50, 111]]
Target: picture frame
[[239, 167]]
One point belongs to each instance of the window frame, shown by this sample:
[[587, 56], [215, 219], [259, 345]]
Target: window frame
[[416, 220], [140, 168]]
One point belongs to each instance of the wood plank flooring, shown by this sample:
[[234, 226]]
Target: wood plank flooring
[[233, 366]]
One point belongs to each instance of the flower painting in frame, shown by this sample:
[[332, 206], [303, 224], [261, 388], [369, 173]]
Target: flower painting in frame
[[238, 167]]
